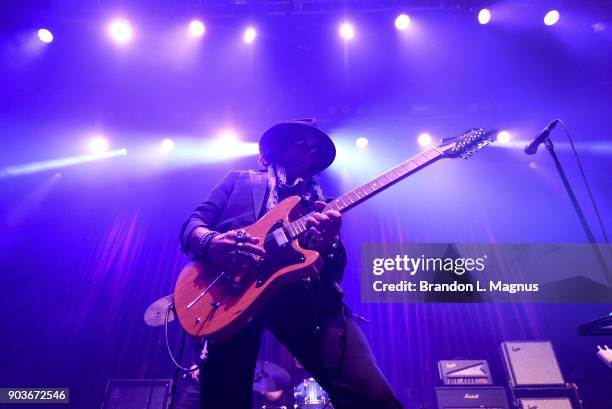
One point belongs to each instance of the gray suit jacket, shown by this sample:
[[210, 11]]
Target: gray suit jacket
[[238, 201]]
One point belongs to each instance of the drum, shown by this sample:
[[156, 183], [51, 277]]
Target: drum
[[309, 395]]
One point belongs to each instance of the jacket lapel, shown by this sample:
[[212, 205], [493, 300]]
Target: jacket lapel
[[259, 185]]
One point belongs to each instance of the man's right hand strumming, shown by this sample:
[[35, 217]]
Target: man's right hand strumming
[[234, 251]]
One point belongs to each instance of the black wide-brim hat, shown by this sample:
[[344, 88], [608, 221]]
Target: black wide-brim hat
[[275, 141]]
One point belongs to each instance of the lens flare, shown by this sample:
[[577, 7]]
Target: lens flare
[[167, 145], [551, 18], [45, 35], [347, 31], [120, 31], [249, 35], [424, 139], [402, 22], [361, 142], [196, 28], [504, 137], [484, 16]]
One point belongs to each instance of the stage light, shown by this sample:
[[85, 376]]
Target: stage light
[[227, 145], [42, 166], [424, 139], [228, 137], [249, 35], [402, 22], [551, 18], [98, 144], [347, 31], [503, 137], [167, 145], [45, 35], [120, 31], [484, 16], [361, 142], [196, 28]]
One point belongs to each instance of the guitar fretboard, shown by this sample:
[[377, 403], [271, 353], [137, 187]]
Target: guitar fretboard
[[370, 188]]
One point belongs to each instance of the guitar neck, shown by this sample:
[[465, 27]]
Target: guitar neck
[[369, 189]]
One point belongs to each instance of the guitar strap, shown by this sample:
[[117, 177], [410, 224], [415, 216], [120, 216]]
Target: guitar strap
[[259, 184]]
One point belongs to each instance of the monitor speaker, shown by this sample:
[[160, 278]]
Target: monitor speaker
[[531, 363], [546, 403], [137, 394]]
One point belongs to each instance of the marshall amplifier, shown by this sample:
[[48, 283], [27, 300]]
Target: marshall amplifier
[[531, 363], [474, 397], [462, 372], [549, 403], [137, 394]]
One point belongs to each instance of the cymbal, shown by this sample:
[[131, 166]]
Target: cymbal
[[270, 377], [155, 315]]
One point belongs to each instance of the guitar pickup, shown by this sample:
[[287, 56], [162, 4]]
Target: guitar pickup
[[280, 237]]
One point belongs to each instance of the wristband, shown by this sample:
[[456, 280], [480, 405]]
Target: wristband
[[204, 240]]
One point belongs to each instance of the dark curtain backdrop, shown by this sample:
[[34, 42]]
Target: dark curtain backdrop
[[84, 252], [81, 261]]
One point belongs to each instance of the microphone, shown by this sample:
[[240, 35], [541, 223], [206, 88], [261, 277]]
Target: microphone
[[532, 147]]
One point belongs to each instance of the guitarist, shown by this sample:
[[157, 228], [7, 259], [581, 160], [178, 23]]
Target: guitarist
[[308, 317]]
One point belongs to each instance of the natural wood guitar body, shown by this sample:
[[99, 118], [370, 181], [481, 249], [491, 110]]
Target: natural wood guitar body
[[225, 308]]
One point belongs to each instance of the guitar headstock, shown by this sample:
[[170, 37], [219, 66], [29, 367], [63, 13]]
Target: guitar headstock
[[467, 143]]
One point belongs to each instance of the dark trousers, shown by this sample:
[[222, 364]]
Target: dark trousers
[[311, 320], [189, 396]]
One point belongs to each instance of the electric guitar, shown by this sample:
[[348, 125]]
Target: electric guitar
[[216, 304]]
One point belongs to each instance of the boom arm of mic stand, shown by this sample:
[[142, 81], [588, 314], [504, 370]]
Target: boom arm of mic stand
[[604, 267]]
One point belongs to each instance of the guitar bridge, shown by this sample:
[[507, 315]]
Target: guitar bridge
[[279, 254]]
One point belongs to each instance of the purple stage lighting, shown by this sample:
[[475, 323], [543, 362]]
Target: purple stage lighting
[[45, 35], [347, 31], [424, 139], [551, 18], [361, 142], [167, 145], [228, 137], [46, 165], [484, 16], [98, 144], [599, 27], [503, 137], [120, 31], [249, 35], [402, 22], [227, 146], [196, 28]]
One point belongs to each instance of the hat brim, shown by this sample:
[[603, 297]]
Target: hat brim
[[277, 139]]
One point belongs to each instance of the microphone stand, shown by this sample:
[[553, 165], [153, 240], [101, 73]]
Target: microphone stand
[[604, 267]]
